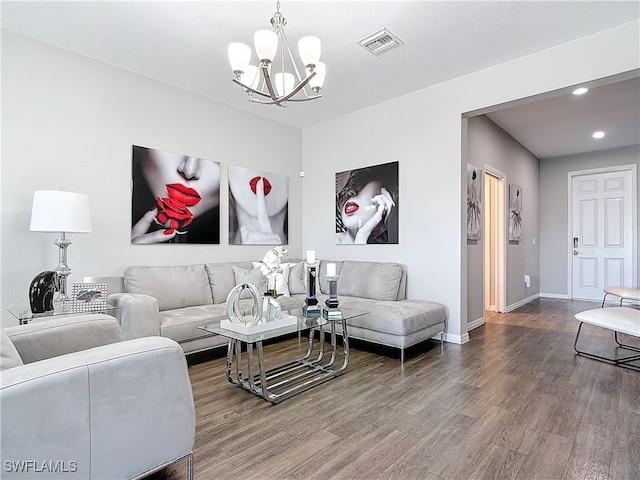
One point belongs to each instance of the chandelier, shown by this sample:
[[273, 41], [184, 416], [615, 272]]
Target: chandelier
[[261, 83]]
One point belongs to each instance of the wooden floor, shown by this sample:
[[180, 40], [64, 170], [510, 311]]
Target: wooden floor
[[513, 402]]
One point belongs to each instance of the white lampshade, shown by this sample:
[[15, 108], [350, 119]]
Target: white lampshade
[[284, 83], [318, 80], [266, 44], [239, 56], [309, 49], [56, 211], [250, 77]]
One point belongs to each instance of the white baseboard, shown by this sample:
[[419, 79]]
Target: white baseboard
[[460, 339], [522, 302], [561, 296], [478, 322]]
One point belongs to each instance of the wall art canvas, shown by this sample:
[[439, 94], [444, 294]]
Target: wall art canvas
[[367, 201], [88, 297], [474, 202], [176, 198], [515, 213], [258, 207]]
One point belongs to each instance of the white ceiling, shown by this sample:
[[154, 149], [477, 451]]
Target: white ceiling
[[184, 44]]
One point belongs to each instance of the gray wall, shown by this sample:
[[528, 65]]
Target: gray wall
[[68, 122], [488, 144], [554, 210]]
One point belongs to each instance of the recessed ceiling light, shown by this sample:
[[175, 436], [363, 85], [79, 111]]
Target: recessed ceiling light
[[580, 91], [598, 134]]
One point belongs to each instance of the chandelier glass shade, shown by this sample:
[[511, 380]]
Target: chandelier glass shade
[[277, 80]]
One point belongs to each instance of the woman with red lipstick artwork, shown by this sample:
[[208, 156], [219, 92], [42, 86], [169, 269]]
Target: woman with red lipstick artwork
[[366, 205], [176, 198], [258, 207]]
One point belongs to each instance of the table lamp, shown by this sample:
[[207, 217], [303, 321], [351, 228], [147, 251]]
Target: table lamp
[[64, 212]]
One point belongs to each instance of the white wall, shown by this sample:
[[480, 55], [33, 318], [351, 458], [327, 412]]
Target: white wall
[[488, 144], [68, 122], [423, 131], [554, 210]]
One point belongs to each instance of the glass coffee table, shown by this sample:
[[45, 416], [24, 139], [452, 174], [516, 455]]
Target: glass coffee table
[[281, 382]]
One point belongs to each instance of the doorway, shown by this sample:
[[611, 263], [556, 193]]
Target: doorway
[[494, 240]]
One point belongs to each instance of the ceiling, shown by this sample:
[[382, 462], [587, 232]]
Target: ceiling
[[184, 44]]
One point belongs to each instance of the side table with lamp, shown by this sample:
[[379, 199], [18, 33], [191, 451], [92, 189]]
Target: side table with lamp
[[63, 212]]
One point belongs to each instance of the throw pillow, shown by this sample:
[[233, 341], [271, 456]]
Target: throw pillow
[[282, 279], [254, 276], [297, 279]]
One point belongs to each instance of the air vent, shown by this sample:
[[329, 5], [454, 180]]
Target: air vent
[[380, 42]]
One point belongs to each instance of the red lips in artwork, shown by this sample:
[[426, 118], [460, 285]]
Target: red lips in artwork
[[253, 183], [172, 210]]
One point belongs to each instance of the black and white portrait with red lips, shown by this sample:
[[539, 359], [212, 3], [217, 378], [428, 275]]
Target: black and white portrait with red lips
[[176, 198], [367, 205], [258, 207]]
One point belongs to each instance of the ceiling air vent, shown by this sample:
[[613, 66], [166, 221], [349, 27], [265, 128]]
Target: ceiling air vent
[[380, 42]]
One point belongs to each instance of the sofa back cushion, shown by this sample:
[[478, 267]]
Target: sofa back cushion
[[375, 280], [222, 278], [173, 287], [9, 356]]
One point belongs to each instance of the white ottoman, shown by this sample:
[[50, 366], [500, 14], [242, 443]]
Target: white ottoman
[[617, 319], [624, 293]]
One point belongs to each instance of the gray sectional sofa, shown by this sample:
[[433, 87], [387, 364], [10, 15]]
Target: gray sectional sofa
[[172, 301]]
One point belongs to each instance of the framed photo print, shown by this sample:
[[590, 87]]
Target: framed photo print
[[474, 203], [176, 198], [258, 207], [515, 213], [88, 297], [367, 201]]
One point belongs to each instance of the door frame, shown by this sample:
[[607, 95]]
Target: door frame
[[501, 178], [634, 219]]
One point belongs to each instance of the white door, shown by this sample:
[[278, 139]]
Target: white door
[[602, 239]]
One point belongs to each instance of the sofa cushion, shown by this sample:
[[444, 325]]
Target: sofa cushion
[[182, 324], [221, 280], [324, 283], [297, 281], [9, 356], [375, 280], [254, 276], [395, 318], [173, 287]]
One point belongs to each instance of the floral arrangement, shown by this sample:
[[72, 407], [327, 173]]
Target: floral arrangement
[[270, 266]]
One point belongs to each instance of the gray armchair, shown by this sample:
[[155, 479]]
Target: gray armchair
[[78, 402]]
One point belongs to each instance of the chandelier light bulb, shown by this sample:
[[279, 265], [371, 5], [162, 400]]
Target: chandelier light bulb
[[309, 49], [239, 57], [250, 77], [284, 83], [266, 44]]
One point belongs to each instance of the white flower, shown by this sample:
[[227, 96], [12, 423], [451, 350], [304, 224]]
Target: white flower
[[271, 262]]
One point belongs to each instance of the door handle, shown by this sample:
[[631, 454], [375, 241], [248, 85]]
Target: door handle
[[576, 253]]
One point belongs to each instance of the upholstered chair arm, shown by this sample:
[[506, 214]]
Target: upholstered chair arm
[[137, 314], [115, 411], [51, 338]]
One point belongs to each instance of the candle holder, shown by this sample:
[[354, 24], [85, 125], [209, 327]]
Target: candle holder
[[311, 308], [331, 311]]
